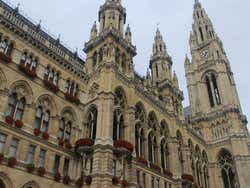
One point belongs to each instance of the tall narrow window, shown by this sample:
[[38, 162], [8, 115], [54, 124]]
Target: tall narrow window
[[201, 33], [45, 123], [42, 120], [13, 147], [216, 90], [56, 164], [2, 142], [92, 123], [38, 118], [64, 131], [67, 132], [31, 154], [210, 94], [156, 71], [20, 109], [66, 167], [11, 105], [41, 159]]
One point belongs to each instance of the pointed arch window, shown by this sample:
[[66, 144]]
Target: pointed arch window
[[42, 120], [118, 125], [15, 108], [64, 131], [139, 141], [228, 170], [164, 155], [152, 148], [201, 34], [216, 90], [209, 90], [92, 123]]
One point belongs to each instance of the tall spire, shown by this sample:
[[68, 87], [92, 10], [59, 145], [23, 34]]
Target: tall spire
[[159, 46], [203, 30]]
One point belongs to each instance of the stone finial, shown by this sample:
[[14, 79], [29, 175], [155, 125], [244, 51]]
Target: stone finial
[[94, 31]]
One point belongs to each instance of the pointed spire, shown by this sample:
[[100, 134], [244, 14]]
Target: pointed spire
[[128, 34], [175, 79], [159, 47], [94, 31], [203, 30]]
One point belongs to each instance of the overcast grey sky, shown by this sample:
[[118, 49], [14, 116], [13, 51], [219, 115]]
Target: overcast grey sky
[[73, 20]]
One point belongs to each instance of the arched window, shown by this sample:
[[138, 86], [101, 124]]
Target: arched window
[[15, 108], [152, 148], [64, 131], [216, 90], [92, 123], [201, 34], [139, 141], [209, 90], [164, 154], [118, 121], [118, 125], [228, 170], [42, 120], [205, 170]]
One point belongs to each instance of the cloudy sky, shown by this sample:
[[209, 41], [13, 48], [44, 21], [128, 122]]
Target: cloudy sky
[[73, 20]]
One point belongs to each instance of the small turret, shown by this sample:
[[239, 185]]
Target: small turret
[[160, 62], [128, 35], [175, 80], [94, 31]]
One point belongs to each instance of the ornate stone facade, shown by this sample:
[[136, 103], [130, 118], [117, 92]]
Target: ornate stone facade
[[66, 122]]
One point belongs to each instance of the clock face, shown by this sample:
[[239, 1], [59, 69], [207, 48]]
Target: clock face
[[205, 54]]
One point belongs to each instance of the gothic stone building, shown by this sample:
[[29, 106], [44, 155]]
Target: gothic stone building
[[68, 122]]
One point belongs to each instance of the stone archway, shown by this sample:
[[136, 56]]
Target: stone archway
[[5, 181]]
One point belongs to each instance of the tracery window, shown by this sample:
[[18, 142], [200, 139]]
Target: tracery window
[[6, 47], [139, 134], [51, 75], [15, 108], [64, 131], [29, 61], [72, 88], [118, 117], [42, 119], [164, 155], [152, 148], [213, 90], [228, 170]]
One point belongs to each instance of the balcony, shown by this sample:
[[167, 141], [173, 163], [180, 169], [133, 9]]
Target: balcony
[[123, 147], [71, 98], [5, 58], [84, 146], [26, 70]]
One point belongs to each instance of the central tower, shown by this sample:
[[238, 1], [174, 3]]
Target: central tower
[[112, 44]]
